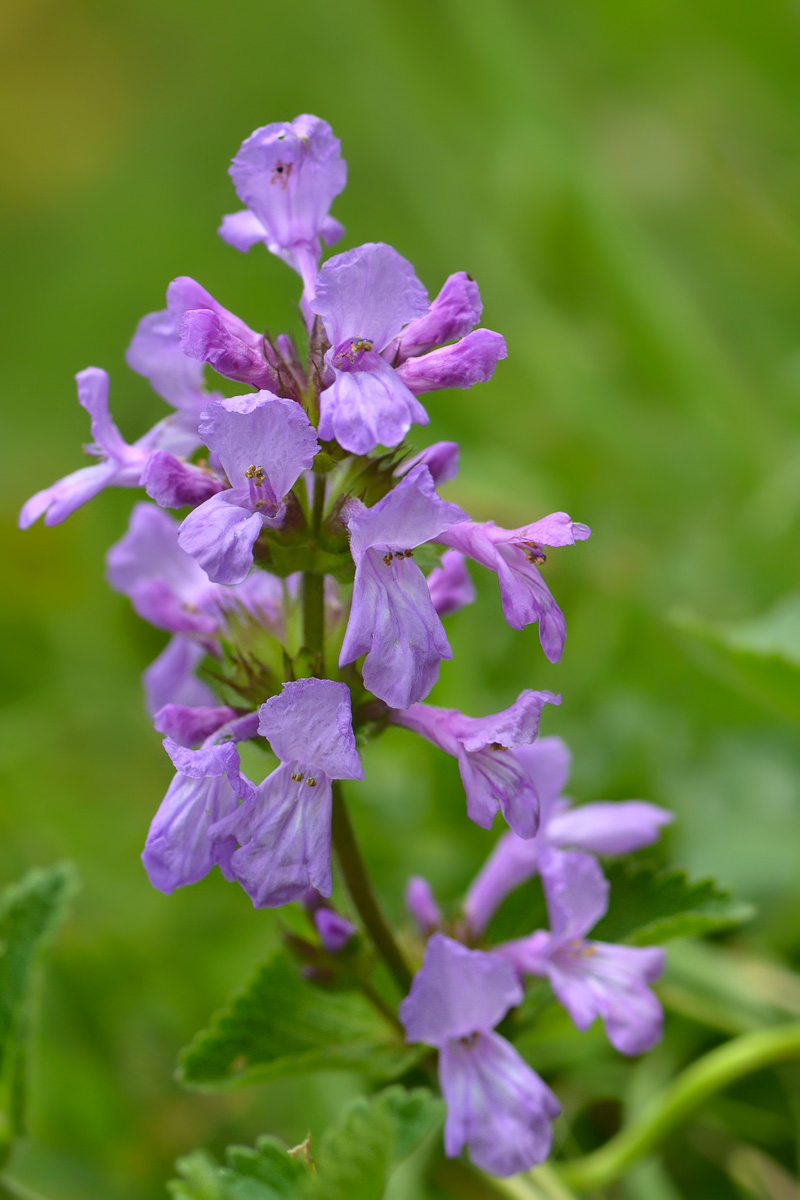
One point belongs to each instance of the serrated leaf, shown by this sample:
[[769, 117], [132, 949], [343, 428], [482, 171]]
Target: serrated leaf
[[649, 905], [759, 658], [282, 1025], [30, 912], [353, 1163]]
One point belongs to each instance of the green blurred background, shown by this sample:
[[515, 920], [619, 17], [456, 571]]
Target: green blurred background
[[623, 180]]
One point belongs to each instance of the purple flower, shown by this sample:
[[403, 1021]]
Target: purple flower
[[455, 311], [263, 444], [334, 930], [284, 830], [514, 554], [491, 772], [441, 459], [155, 352], [592, 979], [120, 465], [210, 333], [392, 619], [288, 175], [165, 585], [421, 903], [365, 297], [171, 678], [450, 585], [181, 845], [496, 1104], [603, 828]]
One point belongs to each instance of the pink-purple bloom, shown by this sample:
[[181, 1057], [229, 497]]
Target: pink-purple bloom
[[515, 555], [592, 979], [284, 828], [210, 333], [450, 584], [497, 1105], [181, 845], [288, 174], [484, 747], [392, 619], [263, 444], [616, 827]]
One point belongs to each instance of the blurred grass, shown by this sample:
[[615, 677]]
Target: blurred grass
[[624, 182]]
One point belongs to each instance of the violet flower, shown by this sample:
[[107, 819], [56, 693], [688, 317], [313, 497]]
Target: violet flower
[[263, 444], [288, 174], [365, 298], [210, 333], [171, 677], [392, 619], [120, 465], [441, 459], [496, 1104], [515, 554], [450, 585], [284, 829], [182, 845], [616, 827], [155, 353], [592, 979], [484, 747]]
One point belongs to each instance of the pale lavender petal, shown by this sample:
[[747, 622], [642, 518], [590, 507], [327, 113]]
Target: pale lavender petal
[[206, 337], [180, 848], [455, 311], [334, 930], [367, 408], [221, 536], [260, 432], [185, 294], [472, 360], [60, 500], [450, 584], [310, 724], [497, 1106], [242, 230], [457, 992], [93, 396], [421, 904], [557, 529], [173, 483], [393, 622], [547, 762], [285, 839], [599, 979], [529, 955], [411, 513], [368, 293], [188, 726], [288, 174], [441, 459], [331, 231], [149, 551], [609, 828], [155, 352], [575, 889], [171, 679], [513, 861]]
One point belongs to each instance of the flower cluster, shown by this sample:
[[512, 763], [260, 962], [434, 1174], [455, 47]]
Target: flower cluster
[[300, 620]]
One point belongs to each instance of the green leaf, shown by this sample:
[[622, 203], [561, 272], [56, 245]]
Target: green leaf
[[282, 1025], [760, 658], [354, 1160], [650, 904], [30, 912]]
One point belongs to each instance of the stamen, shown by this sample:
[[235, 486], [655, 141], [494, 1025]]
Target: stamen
[[497, 746], [256, 474], [311, 782], [387, 558], [297, 776]]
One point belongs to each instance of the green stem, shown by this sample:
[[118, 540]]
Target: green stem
[[361, 893], [314, 619], [726, 1064]]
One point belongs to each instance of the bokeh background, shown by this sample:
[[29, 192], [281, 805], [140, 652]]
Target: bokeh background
[[623, 180]]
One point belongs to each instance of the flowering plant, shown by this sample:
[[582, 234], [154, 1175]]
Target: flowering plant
[[305, 587]]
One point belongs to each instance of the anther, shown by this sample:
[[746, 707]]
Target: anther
[[255, 473], [311, 782], [497, 746], [297, 776], [387, 558]]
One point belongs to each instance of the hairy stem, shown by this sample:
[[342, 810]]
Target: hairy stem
[[717, 1069], [361, 893]]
